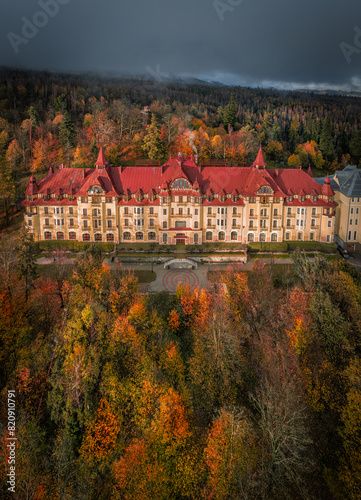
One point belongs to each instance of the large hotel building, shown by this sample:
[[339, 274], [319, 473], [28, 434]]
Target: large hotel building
[[181, 201]]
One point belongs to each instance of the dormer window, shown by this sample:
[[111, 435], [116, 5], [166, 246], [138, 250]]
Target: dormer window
[[265, 190], [302, 198], [290, 198], [95, 190], [181, 184]]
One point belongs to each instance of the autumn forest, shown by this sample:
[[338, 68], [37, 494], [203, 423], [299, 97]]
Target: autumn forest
[[248, 392]]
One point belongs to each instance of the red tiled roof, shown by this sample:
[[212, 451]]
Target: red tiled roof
[[152, 179]]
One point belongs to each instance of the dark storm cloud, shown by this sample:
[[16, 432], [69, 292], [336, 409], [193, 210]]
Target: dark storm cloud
[[255, 42]]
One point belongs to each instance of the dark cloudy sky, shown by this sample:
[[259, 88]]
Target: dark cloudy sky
[[254, 42]]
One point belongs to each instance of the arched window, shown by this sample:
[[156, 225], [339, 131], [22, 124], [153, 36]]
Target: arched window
[[72, 235], [127, 236], [262, 237], [47, 235], [98, 237], [221, 236], [165, 238], [265, 190], [196, 238], [152, 236], [86, 237], [209, 236], [274, 237], [234, 236], [110, 237], [251, 237], [180, 184], [59, 235], [139, 236], [95, 190]]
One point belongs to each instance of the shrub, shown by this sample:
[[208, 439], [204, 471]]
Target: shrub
[[274, 246]]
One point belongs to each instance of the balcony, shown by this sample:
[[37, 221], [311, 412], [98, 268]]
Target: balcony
[[314, 228], [289, 227]]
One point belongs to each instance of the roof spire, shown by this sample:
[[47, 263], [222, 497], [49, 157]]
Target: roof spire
[[101, 161], [33, 186], [259, 161], [309, 171]]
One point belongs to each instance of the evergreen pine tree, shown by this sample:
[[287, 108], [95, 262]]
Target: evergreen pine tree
[[26, 253], [326, 142]]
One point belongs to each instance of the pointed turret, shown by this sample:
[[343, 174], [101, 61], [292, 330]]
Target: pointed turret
[[326, 188], [33, 186], [101, 161], [259, 161], [309, 171], [50, 172]]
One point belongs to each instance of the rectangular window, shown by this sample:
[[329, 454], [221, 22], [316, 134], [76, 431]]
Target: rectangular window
[[46, 222], [62, 222], [151, 222], [109, 212], [196, 211], [209, 222], [287, 236], [151, 211], [108, 200], [289, 211], [85, 223], [172, 211], [251, 212], [46, 210], [313, 222], [328, 238], [329, 223], [349, 235], [85, 212], [274, 223], [357, 210], [351, 211], [355, 235], [356, 222], [164, 225], [234, 222], [164, 211], [196, 225], [313, 211], [275, 212], [251, 223], [126, 222], [71, 222], [311, 236], [180, 199], [350, 222], [84, 200], [71, 210], [109, 224], [288, 223], [126, 210]]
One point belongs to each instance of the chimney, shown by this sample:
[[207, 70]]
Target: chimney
[[196, 159]]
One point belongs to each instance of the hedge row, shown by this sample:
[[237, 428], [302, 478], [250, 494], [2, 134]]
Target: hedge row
[[285, 246], [75, 246], [281, 246]]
